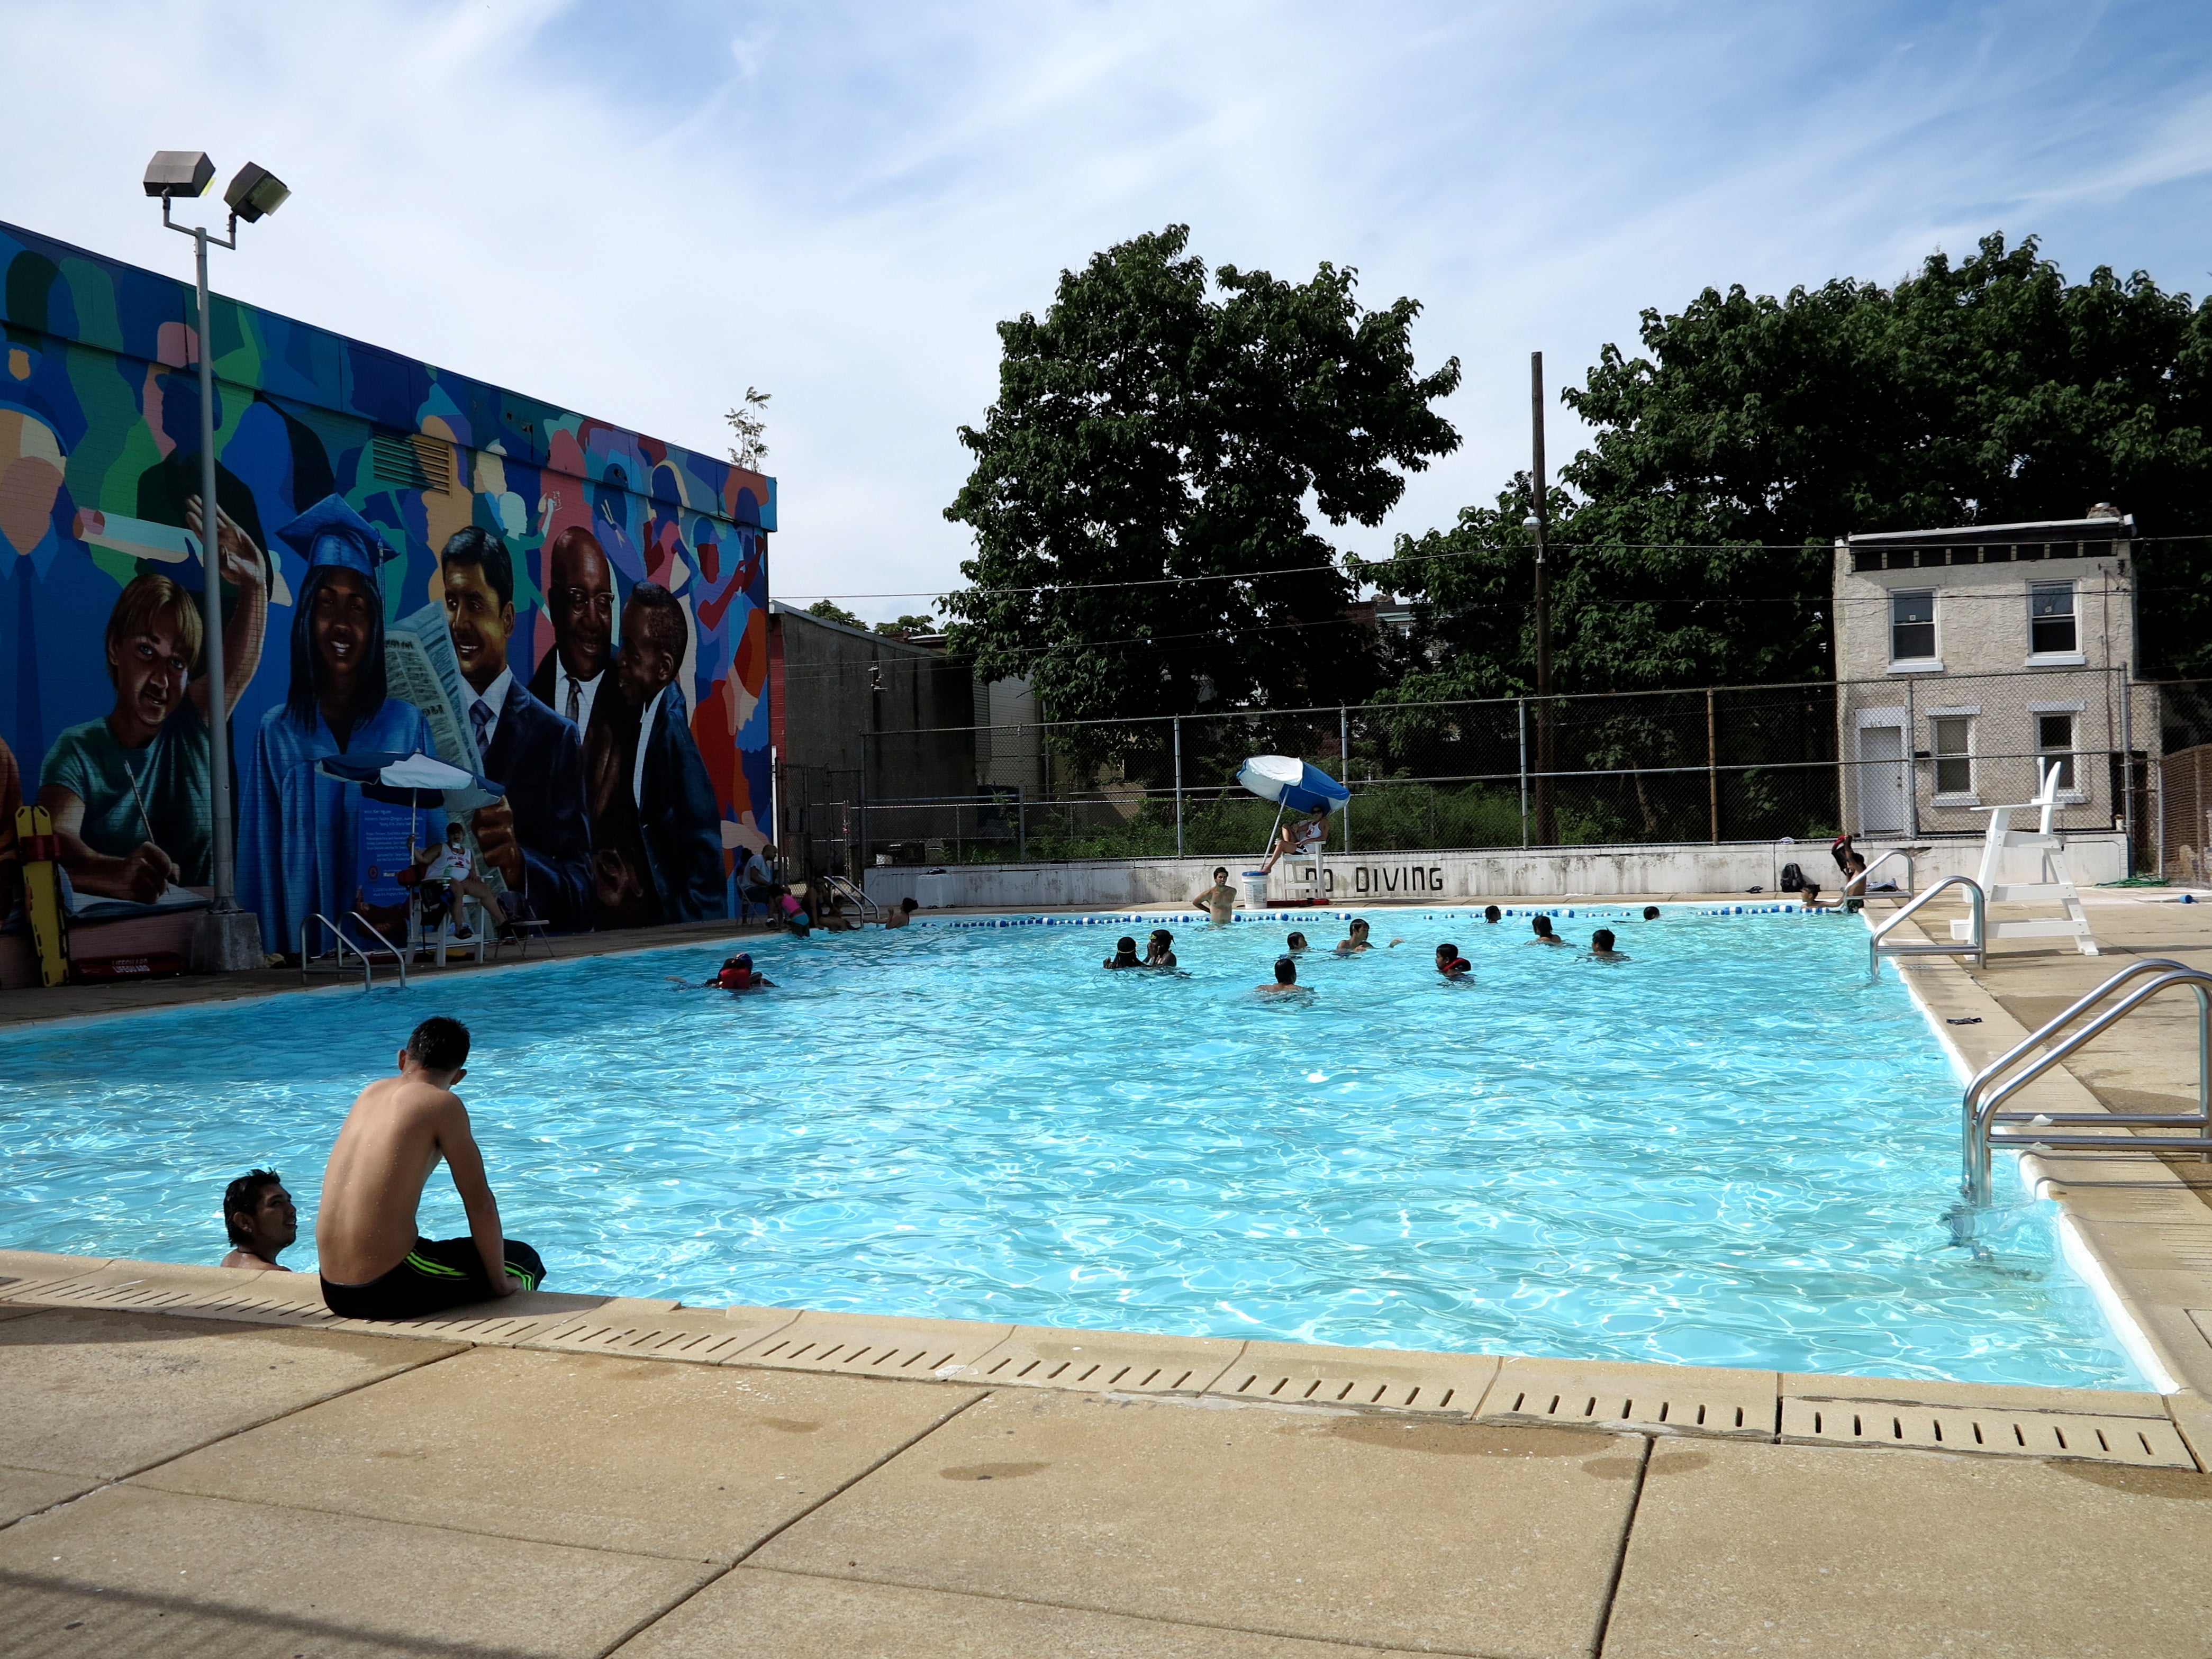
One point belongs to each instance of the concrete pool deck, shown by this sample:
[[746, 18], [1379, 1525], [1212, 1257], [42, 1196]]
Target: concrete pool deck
[[192, 1461]]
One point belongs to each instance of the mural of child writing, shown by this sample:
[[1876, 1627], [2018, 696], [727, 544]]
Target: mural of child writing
[[129, 791]]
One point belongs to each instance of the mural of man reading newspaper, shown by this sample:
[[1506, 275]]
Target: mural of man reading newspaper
[[453, 572]]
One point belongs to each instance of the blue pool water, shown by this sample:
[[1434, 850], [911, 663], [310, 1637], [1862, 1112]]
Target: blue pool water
[[1729, 1151]]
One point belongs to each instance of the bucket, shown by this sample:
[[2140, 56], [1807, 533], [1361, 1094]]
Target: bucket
[[1255, 889]]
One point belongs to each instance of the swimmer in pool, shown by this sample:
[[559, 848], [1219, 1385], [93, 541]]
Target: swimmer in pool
[[1601, 948], [1219, 899], [1125, 954], [1491, 913], [1295, 942], [1286, 980], [1354, 941], [1451, 964], [1542, 927], [1159, 949], [1651, 913], [736, 974]]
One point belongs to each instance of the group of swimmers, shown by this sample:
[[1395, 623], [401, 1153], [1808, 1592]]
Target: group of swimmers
[[1159, 953]]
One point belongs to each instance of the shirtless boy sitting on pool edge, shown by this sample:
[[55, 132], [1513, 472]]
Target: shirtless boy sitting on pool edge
[[374, 1264]]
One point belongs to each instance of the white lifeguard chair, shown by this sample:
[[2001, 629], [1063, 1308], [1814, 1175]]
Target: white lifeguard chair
[[2055, 886]]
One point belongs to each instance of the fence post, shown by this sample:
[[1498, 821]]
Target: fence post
[[1344, 765], [2127, 761], [868, 850], [1523, 705], [1712, 766], [1912, 762], [1178, 784], [1022, 822]]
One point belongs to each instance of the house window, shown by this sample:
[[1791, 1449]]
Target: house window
[[1912, 627], [1954, 763], [2050, 630], [2054, 741]]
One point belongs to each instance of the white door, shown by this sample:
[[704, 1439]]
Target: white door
[[1881, 780]]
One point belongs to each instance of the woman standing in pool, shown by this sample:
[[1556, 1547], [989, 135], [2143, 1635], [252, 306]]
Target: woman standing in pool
[[300, 849]]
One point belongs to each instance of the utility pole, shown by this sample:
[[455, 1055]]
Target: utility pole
[[1546, 823]]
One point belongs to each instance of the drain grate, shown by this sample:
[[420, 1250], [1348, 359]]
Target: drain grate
[[2147, 1442], [183, 1301], [1095, 1362], [931, 1350], [1655, 1400], [1278, 1373], [699, 1345]]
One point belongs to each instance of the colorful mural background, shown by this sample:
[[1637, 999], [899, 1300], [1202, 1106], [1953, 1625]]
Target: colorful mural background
[[103, 693]]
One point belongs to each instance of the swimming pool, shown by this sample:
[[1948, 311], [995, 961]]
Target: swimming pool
[[1731, 1150]]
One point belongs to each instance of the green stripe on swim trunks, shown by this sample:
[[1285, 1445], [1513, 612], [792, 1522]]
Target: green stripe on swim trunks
[[422, 1264], [514, 1271]]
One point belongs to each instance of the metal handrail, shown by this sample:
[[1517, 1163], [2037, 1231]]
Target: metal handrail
[[1979, 1107], [377, 934], [869, 910], [368, 974], [1978, 947], [1893, 853]]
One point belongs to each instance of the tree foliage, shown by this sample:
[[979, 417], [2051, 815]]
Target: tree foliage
[[830, 611], [1154, 429], [1752, 431]]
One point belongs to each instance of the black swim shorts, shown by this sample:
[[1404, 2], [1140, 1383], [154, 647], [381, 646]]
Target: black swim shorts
[[437, 1274]]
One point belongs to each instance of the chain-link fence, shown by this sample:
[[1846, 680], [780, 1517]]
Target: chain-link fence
[[1910, 755]]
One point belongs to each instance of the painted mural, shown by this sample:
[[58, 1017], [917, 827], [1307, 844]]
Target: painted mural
[[411, 560]]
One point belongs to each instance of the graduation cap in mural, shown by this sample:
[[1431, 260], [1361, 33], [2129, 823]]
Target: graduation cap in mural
[[330, 534]]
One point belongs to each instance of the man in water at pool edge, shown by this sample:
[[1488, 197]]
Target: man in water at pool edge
[[259, 1216], [1219, 899], [374, 1264]]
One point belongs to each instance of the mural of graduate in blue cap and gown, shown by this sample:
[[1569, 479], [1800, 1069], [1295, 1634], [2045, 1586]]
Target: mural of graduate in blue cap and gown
[[299, 833]]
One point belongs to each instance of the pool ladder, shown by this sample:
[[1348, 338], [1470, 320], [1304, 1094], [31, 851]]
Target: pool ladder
[[2033, 1055], [854, 893], [360, 953], [1975, 944]]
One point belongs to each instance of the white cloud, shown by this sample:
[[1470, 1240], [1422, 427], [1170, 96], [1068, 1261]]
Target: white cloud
[[638, 211]]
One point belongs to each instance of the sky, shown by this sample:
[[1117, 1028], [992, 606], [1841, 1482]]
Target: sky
[[637, 211]]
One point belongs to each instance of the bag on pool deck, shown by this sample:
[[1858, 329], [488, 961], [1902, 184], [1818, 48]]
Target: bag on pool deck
[[1793, 879]]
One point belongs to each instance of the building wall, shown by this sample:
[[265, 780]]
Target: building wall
[[100, 449], [853, 699], [1983, 671]]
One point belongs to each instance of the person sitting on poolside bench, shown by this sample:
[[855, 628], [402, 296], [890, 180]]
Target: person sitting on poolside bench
[[1601, 942], [1354, 940], [452, 864], [1125, 954], [1451, 964], [259, 1214], [1542, 927], [374, 1264], [1159, 949]]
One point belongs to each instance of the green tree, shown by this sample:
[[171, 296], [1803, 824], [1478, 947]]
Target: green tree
[[830, 611], [1751, 432], [905, 625], [1154, 430]]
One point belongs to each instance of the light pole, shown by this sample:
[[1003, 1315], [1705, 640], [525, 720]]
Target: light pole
[[228, 939], [1540, 519]]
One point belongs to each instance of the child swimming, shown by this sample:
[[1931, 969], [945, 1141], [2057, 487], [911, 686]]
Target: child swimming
[[1354, 941], [1451, 964], [1286, 980], [1159, 949], [1125, 954], [1601, 947], [1542, 927]]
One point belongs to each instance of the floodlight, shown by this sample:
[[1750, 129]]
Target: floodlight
[[254, 192], [179, 172]]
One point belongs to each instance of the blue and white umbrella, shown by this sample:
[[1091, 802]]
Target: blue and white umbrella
[[1291, 783]]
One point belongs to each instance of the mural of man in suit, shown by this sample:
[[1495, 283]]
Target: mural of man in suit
[[679, 820], [537, 838]]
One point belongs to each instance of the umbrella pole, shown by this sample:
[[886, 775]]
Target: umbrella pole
[[1280, 807]]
